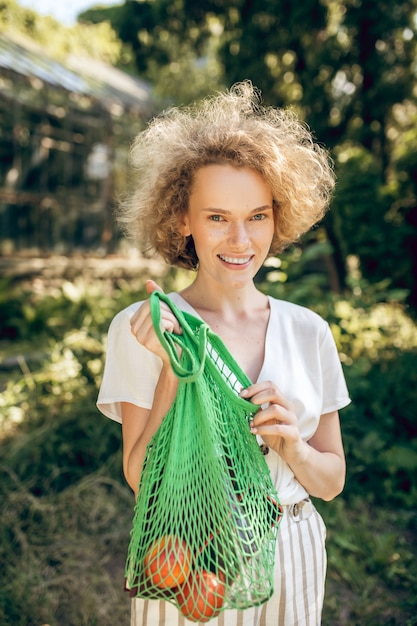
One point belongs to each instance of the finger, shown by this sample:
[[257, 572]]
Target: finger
[[141, 323], [140, 316], [152, 286], [278, 427], [273, 414], [168, 321], [142, 329], [265, 393], [256, 388], [269, 429]]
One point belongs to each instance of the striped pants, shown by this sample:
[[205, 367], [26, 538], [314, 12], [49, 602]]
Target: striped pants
[[300, 569]]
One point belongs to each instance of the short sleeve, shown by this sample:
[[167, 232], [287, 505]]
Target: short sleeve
[[334, 390], [131, 371]]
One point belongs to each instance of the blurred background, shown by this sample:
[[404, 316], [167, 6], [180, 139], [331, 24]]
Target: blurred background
[[77, 82]]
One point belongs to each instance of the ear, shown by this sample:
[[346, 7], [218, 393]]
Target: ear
[[185, 227]]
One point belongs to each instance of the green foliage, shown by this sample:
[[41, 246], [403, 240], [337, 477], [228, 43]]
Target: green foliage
[[339, 70], [372, 557], [377, 340], [371, 222], [65, 511], [380, 432], [55, 409], [301, 273], [25, 314], [96, 41], [358, 208], [52, 405], [175, 51]]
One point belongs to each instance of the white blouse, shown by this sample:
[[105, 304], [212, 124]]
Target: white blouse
[[300, 358]]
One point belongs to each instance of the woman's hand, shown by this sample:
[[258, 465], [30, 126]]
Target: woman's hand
[[142, 327], [276, 422], [319, 464]]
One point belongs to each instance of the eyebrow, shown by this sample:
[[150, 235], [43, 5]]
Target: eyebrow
[[265, 207]]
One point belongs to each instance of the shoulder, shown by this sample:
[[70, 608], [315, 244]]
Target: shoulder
[[125, 314], [120, 325], [296, 315]]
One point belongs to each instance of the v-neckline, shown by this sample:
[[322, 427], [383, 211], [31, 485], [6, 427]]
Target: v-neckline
[[191, 310]]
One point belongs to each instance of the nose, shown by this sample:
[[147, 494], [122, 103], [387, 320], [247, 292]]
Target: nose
[[238, 236]]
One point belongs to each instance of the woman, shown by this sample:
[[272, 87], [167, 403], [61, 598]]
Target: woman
[[220, 187]]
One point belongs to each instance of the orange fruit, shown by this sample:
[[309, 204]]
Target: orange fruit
[[201, 597], [167, 562]]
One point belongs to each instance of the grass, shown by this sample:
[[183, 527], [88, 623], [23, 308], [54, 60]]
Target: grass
[[65, 558], [372, 565], [64, 555]]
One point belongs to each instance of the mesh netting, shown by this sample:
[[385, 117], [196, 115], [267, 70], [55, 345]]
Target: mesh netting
[[207, 513]]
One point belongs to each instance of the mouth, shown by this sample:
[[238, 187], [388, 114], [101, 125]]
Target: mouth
[[231, 260]]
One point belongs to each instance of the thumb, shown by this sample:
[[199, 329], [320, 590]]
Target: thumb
[[152, 286]]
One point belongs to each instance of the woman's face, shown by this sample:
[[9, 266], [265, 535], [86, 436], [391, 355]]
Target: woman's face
[[231, 220]]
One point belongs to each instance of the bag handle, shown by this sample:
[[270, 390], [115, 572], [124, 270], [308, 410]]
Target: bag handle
[[195, 353]]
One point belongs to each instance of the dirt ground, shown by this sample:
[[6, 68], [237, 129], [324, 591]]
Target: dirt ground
[[26, 267]]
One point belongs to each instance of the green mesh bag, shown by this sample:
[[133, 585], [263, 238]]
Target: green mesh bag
[[207, 514]]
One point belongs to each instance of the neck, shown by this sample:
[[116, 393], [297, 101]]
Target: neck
[[213, 298]]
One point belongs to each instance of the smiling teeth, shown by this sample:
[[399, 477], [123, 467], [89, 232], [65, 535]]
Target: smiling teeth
[[230, 259]]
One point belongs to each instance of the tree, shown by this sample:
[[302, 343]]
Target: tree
[[175, 50]]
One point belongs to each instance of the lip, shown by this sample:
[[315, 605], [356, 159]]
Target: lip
[[235, 261]]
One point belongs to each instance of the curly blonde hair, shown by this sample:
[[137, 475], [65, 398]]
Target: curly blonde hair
[[228, 128]]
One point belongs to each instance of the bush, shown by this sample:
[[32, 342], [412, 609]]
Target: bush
[[378, 347], [380, 430]]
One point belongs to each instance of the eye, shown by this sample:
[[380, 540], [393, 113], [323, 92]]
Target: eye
[[215, 218], [259, 217]]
